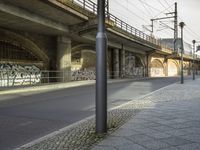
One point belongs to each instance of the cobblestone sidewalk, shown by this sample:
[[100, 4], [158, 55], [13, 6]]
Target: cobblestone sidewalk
[[170, 122]]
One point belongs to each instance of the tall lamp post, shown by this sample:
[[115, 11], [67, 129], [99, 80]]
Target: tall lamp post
[[182, 24], [101, 74], [193, 68]]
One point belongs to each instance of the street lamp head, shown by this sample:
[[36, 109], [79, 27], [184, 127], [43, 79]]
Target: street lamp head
[[181, 24], [193, 41]]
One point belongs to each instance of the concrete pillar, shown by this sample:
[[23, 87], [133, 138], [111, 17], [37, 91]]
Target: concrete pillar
[[147, 66], [109, 63], [64, 58], [122, 63], [166, 67], [179, 72], [190, 68], [116, 63]]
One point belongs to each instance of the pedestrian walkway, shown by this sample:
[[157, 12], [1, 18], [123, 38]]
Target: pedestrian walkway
[[170, 122]]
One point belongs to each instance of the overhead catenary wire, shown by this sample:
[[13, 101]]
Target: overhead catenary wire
[[189, 30], [163, 11], [150, 6], [161, 4], [133, 13], [144, 6], [130, 10], [168, 4]]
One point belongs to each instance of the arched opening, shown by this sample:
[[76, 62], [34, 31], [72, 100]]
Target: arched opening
[[16, 47], [172, 69], [83, 62], [12, 51], [157, 68], [21, 60]]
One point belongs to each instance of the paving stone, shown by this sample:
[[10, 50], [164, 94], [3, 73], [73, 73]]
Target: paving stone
[[154, 145], [139, 138], [177, 132], [158, 135], [162, 128], [170, 148], [179, 125], [131, 147], [104, 148], [125, 132], [115, 141], [175, 141], [193, 146], [192, 137]]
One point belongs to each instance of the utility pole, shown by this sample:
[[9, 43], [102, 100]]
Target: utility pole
[[182, 24], [193, 68], [107, 8], [175, 27], [101, 71], [152, 26]]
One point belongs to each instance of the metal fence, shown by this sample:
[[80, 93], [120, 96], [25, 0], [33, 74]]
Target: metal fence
[[90, 6], [9, 78], [13, 78]]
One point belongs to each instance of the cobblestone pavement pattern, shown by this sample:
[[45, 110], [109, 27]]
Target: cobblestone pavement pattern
[[170, 122], [168, 119]]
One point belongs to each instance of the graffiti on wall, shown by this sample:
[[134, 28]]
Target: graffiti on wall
[[134, 72], [157, 72], [83, 74], [14, 74], [130, 66]]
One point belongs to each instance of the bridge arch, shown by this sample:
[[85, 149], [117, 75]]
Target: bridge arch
[[84, 55], [83, 62], [173, 68], [19, 42], [156, 68]]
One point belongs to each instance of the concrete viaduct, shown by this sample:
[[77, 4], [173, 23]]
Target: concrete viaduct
[[59, 36]]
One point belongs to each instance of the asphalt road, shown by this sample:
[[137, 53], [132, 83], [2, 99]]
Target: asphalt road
[[28, 116]]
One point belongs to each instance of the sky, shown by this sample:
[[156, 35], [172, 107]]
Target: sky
[[139, 12]]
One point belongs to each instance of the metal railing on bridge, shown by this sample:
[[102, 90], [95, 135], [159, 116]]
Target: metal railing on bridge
[[90, 6]]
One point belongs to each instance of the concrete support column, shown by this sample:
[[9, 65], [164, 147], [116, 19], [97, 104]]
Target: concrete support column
[[122, 63], [116, 63], [179, 72], [190, 68], [147, 66], [166, 67], [64, 58]]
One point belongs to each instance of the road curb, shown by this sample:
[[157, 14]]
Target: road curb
[[51, 87]]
